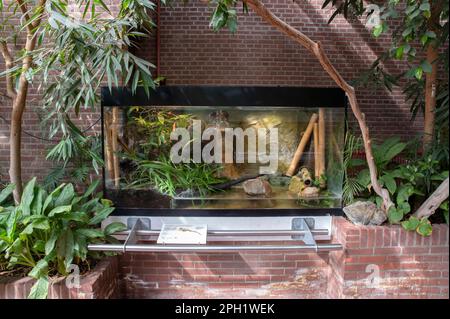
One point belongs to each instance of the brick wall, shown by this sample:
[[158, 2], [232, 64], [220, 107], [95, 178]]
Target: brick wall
[[100, 283], [377, 262], [226, 275], [402, 264], [256, 55]]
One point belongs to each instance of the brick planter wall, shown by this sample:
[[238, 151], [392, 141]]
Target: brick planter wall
[[100, 283], [377, 262], [389, 262]]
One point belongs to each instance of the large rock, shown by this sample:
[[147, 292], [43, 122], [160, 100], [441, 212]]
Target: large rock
[[257, 186], [296, 185], [365, 213], [310, 191]]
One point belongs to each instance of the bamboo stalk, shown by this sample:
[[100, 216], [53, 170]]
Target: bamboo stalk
[[321, 142], [108, 146], [301, 146], [115, 145], [316, 151]]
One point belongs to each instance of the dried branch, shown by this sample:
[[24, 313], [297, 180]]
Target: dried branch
[[9, 64], [434, 201], [316, 49]]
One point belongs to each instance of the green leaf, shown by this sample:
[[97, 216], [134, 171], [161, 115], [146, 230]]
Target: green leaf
[[59, 210], [27, 197], [393, 151], [377, 30], [425, 228], [39, 289], [36, 206], [418, 73], [411, 224], [390, 183], [101, 215], [50, 244], [6, 192], [91, 189], [114, 227], [41, 269], [395, 216], [90, 233], [66, 196], [41, 223]]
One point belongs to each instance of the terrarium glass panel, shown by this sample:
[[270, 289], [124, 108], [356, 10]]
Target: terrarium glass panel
[[233, 157]]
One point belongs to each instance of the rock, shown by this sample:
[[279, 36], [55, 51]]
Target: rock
[[257, 186], [365, 213], [296, 185], [278, 180], [309, 191]]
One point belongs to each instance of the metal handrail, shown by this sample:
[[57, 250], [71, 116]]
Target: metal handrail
[[210, 248]]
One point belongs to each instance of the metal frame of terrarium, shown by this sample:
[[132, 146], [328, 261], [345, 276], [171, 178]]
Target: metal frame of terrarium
[[222, 96]]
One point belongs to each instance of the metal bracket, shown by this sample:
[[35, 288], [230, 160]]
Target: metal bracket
[[132, 236], [306, 236]]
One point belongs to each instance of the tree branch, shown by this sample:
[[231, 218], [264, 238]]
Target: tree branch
[[316, 49], [434, 201], [9, 64]]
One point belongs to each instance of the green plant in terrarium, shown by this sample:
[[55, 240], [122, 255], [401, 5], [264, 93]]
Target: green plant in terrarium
[[156, 125], [173, 179]]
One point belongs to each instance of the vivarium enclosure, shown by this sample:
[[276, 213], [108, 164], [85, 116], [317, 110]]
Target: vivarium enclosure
[[209, 150]]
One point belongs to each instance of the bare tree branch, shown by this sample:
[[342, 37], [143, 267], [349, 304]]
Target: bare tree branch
[[9, 64], [316, 49], [434, 201]]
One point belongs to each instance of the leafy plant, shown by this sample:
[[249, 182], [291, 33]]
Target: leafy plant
[[169, 178], [74, 157], [351, 187], [409, 184], [47, 232], [155, 125]]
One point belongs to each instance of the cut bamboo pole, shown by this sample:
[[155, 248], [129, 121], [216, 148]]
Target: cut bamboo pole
[[108, 146], [321, 142], [301, 147], [115, 145], [316, 151]]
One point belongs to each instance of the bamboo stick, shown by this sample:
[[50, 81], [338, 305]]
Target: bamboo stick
[[115, 146], [321, 142], [301, 146], [108, 147], [317, 164]]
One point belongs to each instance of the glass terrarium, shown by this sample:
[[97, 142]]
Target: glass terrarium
[[224, 148]]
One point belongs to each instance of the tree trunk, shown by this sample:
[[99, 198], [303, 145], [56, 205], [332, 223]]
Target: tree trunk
[[15, 137], [434, 201], [316, 49], [19, 103], [431, 79]]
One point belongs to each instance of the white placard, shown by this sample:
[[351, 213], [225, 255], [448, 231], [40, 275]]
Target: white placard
[[183, 234]]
